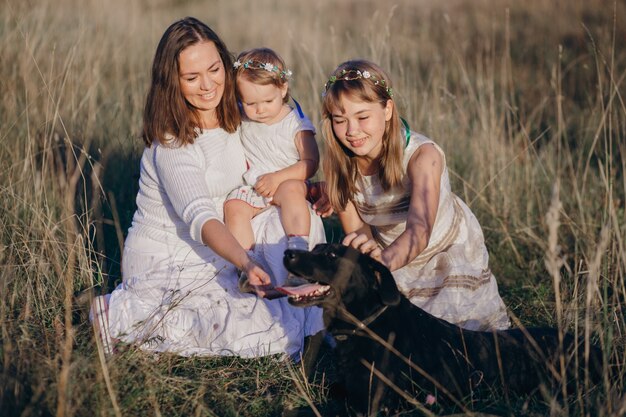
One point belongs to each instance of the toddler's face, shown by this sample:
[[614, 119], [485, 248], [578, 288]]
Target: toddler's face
[[261, 103]]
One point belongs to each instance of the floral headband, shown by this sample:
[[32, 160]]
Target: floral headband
[[352, 74], [267, 66]]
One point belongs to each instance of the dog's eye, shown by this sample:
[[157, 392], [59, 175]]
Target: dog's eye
[[332, 255]]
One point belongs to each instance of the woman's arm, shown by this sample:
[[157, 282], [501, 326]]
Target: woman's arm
[[216, 236], [424, 171], [182, 172], [305, 168]]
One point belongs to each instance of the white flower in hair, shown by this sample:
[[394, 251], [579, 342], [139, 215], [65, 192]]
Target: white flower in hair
[[366, 74], [288, 73], [236, 64], [268, 67]]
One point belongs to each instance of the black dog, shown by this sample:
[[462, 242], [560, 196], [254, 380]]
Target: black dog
[[388, 348]]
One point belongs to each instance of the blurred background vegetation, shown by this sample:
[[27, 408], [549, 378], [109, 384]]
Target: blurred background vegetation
[[526, 98]]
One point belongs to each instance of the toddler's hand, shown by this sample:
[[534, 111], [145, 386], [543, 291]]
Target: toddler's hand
[[267, 184]]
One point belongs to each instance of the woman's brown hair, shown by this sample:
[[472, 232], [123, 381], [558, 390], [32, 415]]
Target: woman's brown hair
[[167, 115], [339, 163]]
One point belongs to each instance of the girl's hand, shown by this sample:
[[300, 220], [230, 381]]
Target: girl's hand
[[318, 197], [364, 244], [267, 184]]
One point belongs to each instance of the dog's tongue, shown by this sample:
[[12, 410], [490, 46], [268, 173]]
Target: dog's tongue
[[303, 289]]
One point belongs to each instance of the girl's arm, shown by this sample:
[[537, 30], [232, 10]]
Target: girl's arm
[[352, 223], [424, 171], [303, 169]]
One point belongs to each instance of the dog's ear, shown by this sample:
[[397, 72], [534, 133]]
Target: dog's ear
[[387, 288]]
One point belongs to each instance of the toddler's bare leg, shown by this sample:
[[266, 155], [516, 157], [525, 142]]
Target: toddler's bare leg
[[237, 217], [291, 198], [294, 215]]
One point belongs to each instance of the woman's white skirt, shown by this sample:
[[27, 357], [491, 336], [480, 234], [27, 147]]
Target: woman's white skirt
[[184, 299]]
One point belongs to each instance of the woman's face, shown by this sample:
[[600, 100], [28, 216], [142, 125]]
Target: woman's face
[[360, 127], [202, 76]]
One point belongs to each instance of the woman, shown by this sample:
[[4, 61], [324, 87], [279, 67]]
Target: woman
[[179, 290], [391, 190]]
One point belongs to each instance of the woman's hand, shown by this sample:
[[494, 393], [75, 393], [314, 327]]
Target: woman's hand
[[256, 275], [318, 197], [260, 281], [364, 244], [217, 237]]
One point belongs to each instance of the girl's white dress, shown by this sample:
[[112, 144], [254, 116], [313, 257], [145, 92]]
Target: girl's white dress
[[451, 278], [177, 295]]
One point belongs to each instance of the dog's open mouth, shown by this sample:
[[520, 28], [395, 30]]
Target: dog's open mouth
[[305, 294]]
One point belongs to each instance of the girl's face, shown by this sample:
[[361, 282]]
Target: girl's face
[[261, 103], [360, 127], [201, 75]]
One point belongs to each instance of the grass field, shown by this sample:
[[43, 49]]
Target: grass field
[[526, 98]]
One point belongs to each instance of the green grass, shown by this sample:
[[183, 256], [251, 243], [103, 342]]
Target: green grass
[[522, 96]]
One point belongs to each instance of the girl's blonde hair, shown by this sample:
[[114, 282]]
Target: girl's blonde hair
[[254, 66], [365, 81]]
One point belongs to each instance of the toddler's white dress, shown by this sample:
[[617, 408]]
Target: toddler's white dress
[[269, 148]]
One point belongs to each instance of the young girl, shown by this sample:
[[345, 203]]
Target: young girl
[[280, 148], [391, 191]]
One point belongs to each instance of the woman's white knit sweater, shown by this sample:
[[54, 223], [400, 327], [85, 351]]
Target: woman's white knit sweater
[[181, 187]]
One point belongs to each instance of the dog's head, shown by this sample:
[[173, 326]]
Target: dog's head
[[339, 274]]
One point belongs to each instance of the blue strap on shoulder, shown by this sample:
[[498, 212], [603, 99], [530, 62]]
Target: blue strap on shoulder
[[300, 112]]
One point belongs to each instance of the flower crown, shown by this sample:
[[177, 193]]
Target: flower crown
[[267, 66], [353, 74]]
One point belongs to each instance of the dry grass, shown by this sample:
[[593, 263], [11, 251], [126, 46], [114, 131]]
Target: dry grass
[[525, 97]]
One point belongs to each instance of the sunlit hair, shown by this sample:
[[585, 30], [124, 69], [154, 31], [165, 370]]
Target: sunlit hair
[[339, 163], [167, 114], [257, 75]]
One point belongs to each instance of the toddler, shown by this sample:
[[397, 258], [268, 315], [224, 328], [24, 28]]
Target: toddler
[[280, 147]]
